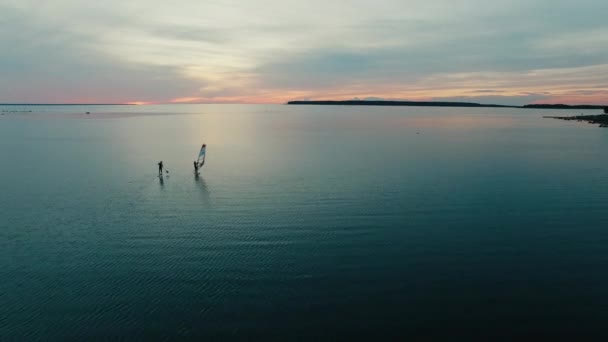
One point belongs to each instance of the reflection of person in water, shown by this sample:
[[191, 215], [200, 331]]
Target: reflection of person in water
[[160, 168], [195, 167]]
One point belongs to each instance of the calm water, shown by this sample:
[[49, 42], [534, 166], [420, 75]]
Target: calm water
[[307, 222]]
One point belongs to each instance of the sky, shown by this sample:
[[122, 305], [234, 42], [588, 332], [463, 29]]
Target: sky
[[271, 51]]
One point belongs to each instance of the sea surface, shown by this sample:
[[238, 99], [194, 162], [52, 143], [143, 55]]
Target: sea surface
[[307, 223]]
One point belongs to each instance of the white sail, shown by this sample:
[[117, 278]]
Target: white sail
[[201, 156]]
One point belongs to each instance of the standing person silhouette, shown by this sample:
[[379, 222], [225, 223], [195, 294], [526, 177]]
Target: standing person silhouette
[[195, 167], [160, 168]]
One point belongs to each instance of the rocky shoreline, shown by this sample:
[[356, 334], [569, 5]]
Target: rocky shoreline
[[601, 119]]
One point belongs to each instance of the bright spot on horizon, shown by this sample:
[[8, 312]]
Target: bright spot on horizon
[[138, 103], [271, 51], [186, 99]]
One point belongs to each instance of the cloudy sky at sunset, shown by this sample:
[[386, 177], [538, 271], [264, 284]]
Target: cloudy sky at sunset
[[272, 51]]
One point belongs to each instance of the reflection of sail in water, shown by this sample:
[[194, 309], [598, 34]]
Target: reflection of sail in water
[[203, 189], [201, 156]]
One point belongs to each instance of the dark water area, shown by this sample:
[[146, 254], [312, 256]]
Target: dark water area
[[306, 223]]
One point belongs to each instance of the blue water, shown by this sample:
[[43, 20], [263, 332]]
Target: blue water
[[307, 222]]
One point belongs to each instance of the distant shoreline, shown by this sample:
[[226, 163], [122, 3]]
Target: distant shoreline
[[359, 103], [439, 104]]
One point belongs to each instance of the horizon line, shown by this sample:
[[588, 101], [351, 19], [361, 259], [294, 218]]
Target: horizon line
[[288, 102]]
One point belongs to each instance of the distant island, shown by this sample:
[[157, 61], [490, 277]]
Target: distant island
[[563, 106], [437, 104], [395, 103]]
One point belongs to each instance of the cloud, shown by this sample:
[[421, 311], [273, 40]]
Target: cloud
[[273, 51], [41, 65]]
